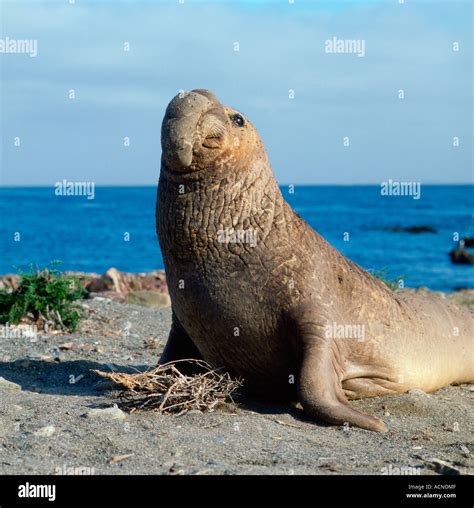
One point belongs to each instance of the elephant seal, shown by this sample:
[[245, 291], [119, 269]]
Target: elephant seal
[[256, 291]]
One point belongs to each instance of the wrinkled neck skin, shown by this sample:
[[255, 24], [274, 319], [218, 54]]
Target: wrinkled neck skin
[[288, 257], [198, 208]]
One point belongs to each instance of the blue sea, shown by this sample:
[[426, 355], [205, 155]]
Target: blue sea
[[89, 235]]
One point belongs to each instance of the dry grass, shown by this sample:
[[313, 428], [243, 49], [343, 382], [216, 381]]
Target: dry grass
[[165, 389]]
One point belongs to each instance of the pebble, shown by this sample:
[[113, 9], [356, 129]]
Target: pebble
[[124, 325], [8, 385], [109, 413], [47, 431], [66, 345]]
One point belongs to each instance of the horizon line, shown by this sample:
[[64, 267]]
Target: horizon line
[[280, 184]]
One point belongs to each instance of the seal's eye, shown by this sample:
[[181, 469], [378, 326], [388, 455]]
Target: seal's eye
[[238, 120]]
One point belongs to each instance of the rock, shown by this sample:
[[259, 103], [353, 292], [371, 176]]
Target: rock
[[330, 466], [468, 241], [111, 295], [461, 256], [111, 280], [152, 281], [465, 451], [451, 428], [443, 467], [47, 431], [67, 345], [119, 280], [122, 283], [109, 413], [101, 299], [9, 282], [125, 327], [8, 385], [411, 229], [148, 299], [82, 275]]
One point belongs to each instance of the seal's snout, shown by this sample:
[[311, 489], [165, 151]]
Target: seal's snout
[[192, 118]]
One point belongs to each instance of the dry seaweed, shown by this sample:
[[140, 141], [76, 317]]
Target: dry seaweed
[[164, 389]]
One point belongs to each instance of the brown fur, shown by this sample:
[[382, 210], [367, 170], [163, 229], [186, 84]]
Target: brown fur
[[264, 312]]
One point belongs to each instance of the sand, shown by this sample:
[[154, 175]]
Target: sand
[[50, 426]]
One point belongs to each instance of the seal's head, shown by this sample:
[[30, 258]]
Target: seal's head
[[199, 133]]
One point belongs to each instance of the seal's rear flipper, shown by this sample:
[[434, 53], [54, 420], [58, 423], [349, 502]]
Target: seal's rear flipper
[[319, 385], [342, 414]]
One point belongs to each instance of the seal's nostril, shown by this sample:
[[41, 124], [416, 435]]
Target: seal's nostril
[[212, 141], [213, 129]]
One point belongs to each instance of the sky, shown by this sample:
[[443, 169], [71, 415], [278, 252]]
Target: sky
[[325, 118]]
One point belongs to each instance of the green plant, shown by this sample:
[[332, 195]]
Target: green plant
[[46, 297], [393, 284]]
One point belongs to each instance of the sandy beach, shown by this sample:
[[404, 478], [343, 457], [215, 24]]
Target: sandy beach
[[49, 423]]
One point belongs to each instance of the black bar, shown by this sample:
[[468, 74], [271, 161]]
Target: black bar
[[242, 490]]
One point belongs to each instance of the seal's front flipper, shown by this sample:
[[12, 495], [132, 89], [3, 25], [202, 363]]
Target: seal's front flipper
[[180, 347], [319, 384]]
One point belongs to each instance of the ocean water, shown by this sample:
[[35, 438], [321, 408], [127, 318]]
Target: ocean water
[[89, 235]]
